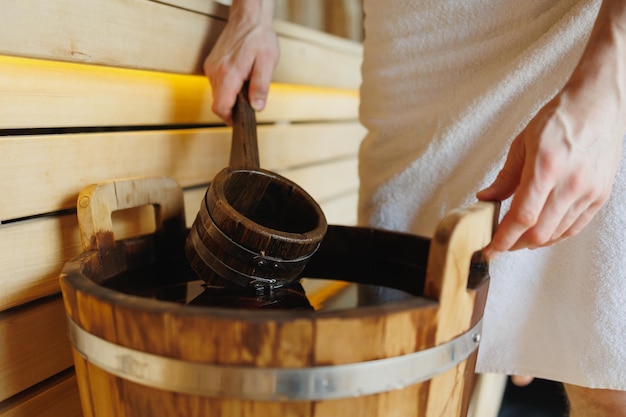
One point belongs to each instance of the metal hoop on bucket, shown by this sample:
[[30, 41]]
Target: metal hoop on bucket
[[274, 384]]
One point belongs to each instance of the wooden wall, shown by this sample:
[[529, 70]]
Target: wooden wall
[[342, 18], [107, 89]]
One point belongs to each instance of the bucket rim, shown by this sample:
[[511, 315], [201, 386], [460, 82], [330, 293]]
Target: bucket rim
[[72, 276]]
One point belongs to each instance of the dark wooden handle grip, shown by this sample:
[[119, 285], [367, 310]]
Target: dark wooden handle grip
[[244, 151]]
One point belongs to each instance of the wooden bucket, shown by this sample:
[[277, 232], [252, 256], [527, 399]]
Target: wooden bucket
[[136, 356], [254, 227]]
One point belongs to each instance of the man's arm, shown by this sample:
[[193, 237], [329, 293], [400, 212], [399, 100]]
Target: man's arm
[[561, 167]]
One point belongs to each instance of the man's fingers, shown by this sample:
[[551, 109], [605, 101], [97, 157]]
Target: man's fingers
[[225, 95], [260, 78], [509, 176], [526, 208], [576, 213], [581, 221], [259, 88], [559, 211], [507, 234], [228, 78]]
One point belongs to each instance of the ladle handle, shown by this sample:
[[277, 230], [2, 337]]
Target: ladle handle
[[244, 151]]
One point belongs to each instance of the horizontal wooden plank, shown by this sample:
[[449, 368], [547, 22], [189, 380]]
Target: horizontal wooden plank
[[328, 180], [325, 61], [44, 94], [35, 345], [283, 27], [218, 9], [333, 184], [324, 40], [341, 210], [32, 255], [341, 18], [192, 199], [44, 173], [169, 36], [33, 251], [55, 397], [38, 93], [31, 270], [338, 209], [136, 33]]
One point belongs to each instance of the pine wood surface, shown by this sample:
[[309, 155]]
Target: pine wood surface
[[41, 175], [173, 39], [489, 391], [315, 22], [137, 34], [34, 345], [38, 93], [460, 234], [97, 202], [217, 9], [56, 397], [31, 270], [323, 60], [342, 18]]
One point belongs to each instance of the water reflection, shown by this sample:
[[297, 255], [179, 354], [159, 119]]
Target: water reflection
[[309, 294]]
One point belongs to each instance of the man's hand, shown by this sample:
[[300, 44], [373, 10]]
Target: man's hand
[[561, 167], [247, 49]]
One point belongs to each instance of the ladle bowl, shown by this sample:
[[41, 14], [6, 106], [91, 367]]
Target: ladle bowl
[[254, 227]]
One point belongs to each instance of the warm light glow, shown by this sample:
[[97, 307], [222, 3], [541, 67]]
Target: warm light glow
[[47, 93], [319, 296], [43, 65], [178, 81]]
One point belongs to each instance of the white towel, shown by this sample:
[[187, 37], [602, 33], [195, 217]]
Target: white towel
[[447, 85]]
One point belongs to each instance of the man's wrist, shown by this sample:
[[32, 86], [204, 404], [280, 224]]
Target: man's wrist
[[255, 11]]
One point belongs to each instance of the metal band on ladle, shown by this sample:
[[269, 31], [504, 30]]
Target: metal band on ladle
[[270, 265], [250, 257]]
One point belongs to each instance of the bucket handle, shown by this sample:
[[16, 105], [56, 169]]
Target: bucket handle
[[96, 203], [460, 234]]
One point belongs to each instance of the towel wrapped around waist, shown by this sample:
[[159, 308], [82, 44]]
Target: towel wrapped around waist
[[447, 85]]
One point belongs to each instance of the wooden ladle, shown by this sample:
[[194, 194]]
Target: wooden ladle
[[254, 227]]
